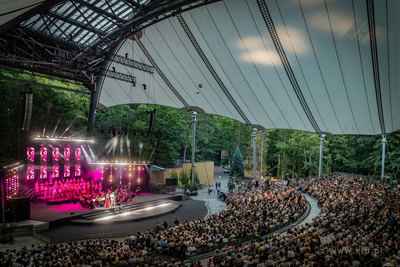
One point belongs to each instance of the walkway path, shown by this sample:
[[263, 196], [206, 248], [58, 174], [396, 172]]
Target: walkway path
[[314, 209], [212, 203]]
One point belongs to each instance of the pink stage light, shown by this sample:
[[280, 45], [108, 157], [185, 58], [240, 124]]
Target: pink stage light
[[30, 174], [43, 172], [56, 171], [56, 154], [30, 169], [78, 170], [30, 152], [67, 153], [67, 170], [142, 169], [43, 153], [78, 153]]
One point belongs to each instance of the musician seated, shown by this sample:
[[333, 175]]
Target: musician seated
[[138, 190]]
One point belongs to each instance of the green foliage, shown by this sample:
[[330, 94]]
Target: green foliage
[[196, 178], [157, 188], [184, 177], [49, 107], [237, 168], [192, 187]]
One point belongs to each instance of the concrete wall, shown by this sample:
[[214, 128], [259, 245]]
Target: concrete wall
[[157, 177], [205, 171]]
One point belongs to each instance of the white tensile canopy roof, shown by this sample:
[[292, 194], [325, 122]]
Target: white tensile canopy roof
[[326, 66]]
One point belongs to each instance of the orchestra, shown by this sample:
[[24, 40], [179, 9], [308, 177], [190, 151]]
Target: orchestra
[[88, 194]]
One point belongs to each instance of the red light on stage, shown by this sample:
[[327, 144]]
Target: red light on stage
[[30, 152], [56, 154], [67, 153], [43, 172], [78, 170], [67, 170], [78, 153], [43, 154], [30, 173], [56, 171], [30, 169]]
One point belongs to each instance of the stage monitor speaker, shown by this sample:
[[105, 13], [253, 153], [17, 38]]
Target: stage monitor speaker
[[171, 181], [28, 111], [20, 208]]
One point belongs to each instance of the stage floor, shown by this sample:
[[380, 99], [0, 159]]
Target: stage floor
[[190, 210], [49, 213]]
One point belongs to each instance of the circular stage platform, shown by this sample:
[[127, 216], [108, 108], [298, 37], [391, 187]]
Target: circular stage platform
[[129, 212]]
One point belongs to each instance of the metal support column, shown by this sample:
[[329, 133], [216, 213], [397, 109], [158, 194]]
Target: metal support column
[[383, 155], [254, 151], [193, 141], [92, 109], [261, 156], [321, 148]]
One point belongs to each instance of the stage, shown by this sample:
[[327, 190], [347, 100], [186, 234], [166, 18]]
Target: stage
[[64, 227], [66, 213]]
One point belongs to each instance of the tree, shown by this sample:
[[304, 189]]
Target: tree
[[237, 168]]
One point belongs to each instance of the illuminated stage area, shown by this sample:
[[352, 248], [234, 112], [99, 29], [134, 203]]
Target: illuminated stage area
[[65, 171], [60, 170], [140, 208]]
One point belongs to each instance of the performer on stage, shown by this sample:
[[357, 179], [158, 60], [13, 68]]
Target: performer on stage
[[138, 190], [112, 199], [107, 204]]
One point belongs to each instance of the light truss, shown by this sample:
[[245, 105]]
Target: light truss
[[130, 63], [118, 76]]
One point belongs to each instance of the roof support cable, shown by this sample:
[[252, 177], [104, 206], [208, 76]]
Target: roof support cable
[[211, 69], [159, 71], [375, 66], [285, 62]]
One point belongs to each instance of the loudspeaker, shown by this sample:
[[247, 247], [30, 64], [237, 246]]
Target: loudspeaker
[[28, 111], [20, 208], [171, 181]]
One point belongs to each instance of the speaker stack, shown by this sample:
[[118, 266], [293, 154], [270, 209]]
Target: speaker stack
[[20, 208]]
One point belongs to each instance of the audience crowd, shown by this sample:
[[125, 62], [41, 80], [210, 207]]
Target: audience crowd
[[357, 225]]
